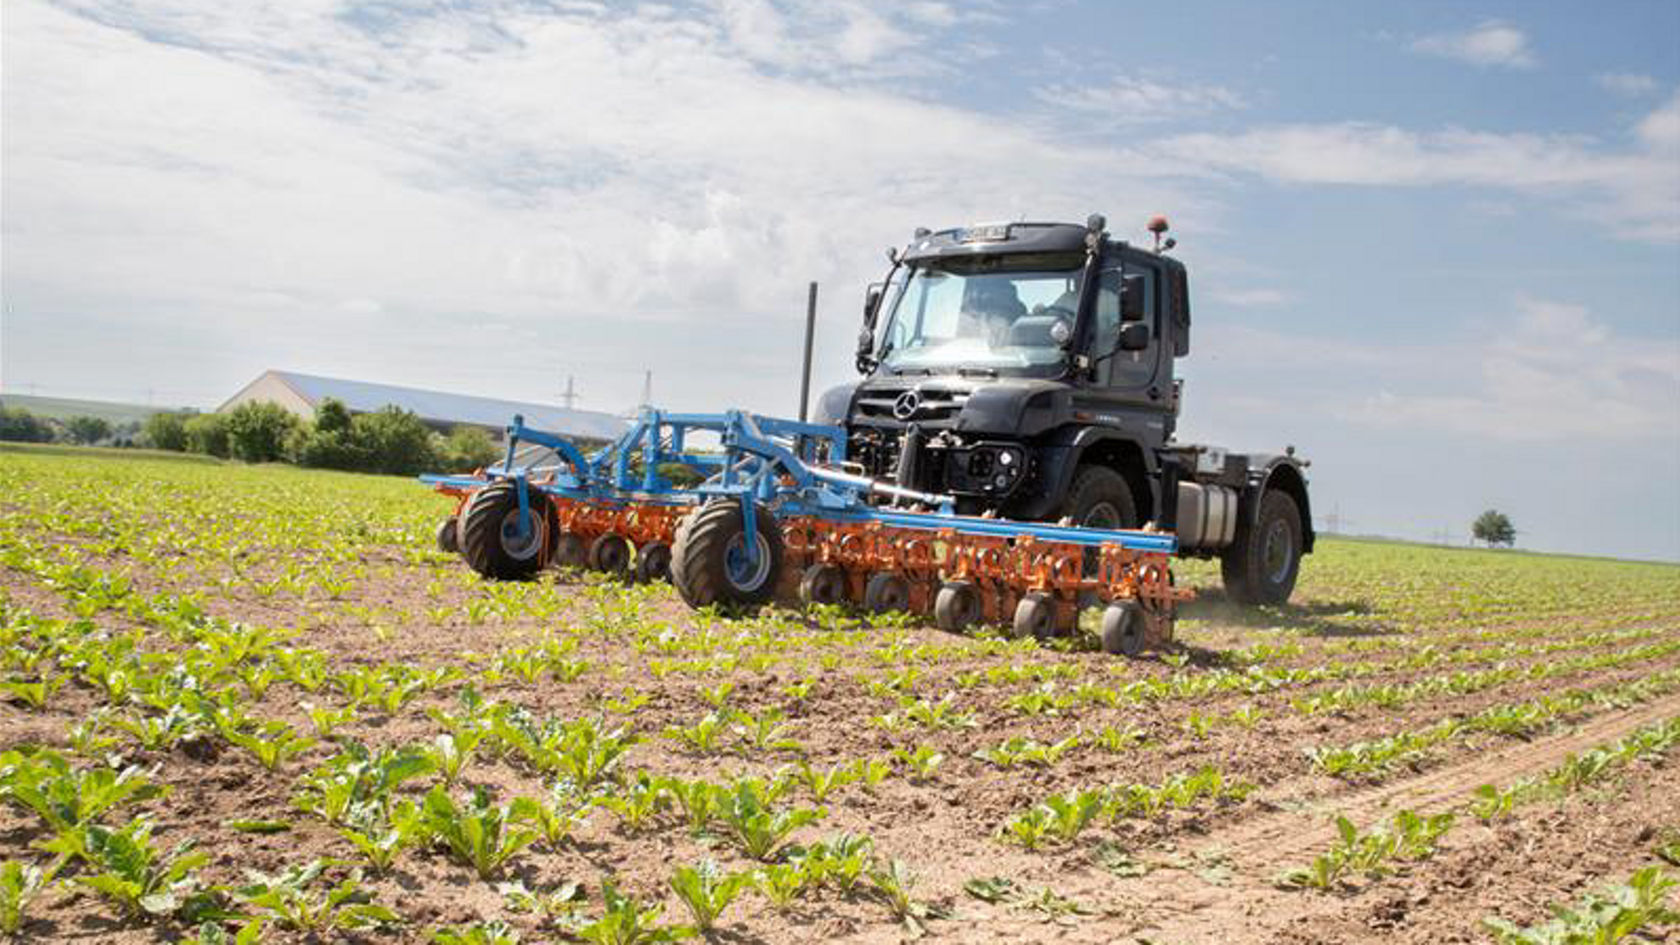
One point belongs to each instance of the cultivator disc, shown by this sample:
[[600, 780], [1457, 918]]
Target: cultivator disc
[[774, 523]]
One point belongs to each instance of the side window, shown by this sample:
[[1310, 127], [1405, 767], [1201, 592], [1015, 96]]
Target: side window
[[1127, 368]]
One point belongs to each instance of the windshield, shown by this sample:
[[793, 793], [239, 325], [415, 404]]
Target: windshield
[[975, 313]]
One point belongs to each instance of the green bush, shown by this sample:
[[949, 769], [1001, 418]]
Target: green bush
[[21, 426], [166, 431], [466, 448], [395, 441], [257, 431], [88, 430], [208, 433]]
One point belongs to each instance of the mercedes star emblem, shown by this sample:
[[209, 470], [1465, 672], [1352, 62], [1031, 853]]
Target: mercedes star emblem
[[907, 404]]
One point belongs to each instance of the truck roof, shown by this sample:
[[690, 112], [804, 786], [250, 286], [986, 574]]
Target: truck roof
[[1022, 237]]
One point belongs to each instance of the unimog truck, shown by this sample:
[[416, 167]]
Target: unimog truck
[[1026, 369]]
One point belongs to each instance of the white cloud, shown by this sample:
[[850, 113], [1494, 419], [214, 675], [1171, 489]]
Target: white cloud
[[1489, 43], [1136, 100], [1546, 371], [1631, 84], [1636, 187]]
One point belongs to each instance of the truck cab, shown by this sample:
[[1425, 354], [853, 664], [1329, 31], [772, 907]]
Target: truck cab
[[1027, 370]]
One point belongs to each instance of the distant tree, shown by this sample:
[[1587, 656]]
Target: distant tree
[[21, 426], [208, 433], [166, 431], [394, 441], [331, 416], [86, 430], [1495, 528], [257, 431], [465, 448]]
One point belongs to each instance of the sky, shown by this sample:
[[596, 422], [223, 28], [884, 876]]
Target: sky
[[1433, 245]]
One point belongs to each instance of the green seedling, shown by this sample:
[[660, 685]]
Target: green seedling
[[823, 783], [450, 754], [1028, 829], [20, 885], [356, 784], [381, 843], [1072, 812], [638, 802], [703, 736], [1614, 915], [924, 762], [327, 720], [478, 833], [624, 921], [34, 693], [162, 732], [698, 800], [66, 798], [760, 830], [870, 772], [781, 883], [494, 932], [707, 891], [839, 861], [717, 696], [765, 732], [272, 744], [553, 902], [288, 901], [894, 883], [123, 866]]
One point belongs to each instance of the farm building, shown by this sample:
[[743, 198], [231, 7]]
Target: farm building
[[302, 393]]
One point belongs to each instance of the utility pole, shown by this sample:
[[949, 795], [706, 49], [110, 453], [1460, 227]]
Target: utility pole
[[647, 389], [570, 396], [805, 372]]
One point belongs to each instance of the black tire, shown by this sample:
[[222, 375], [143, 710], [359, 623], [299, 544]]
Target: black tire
[[653, 562], [1099, 497], [486, 537], [1122, 628], [610, 553], [1263, 561], [447, 533], [957, 606], [711, 539], [823, 584], [886, 592], [1035, 616]]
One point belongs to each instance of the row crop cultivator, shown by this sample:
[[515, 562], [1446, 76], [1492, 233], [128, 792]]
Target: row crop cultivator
[[819, 533]]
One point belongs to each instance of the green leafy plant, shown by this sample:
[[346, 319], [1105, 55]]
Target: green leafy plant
[[67, 798], [1602, 918], [290, 901], [755, 826], [781, 883], [123, 866], [707, 891], [839, 861], [34, 693], [703, 736], [272, 743], [555, 818], [381, 840], [450, 754], [924, 762], [356, 784], [478, 833], [625, 921], [1411, 837], [637, 802], [894, 882], [822, 783], [766, 731], [494, 932], [20, 885]]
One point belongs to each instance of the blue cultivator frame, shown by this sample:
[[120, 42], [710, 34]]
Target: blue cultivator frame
[[788, 466]]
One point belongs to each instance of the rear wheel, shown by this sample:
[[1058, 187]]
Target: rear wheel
[[956, 606], [1122, 628], [494, 540], [711, 563], [1262, 563], [886, 592], [1035, 616], [447, 532], [823, 584], [653, 562], [610, 553]]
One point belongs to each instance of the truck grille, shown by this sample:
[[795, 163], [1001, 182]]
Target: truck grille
[[936, 407]]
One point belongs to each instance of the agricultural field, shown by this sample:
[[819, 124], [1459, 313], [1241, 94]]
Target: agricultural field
[[251, 703]]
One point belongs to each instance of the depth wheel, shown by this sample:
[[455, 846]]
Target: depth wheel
[[448, 534], [710, 563], [886, 592], [1035, 616], [957, 606], [653, 562], [823, 584], [570, 551], [1122, 628], [494, 540], [610, 553]]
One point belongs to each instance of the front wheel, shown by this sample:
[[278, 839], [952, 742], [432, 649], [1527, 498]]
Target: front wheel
[[496, 540], [1262, 563], [711, 562]]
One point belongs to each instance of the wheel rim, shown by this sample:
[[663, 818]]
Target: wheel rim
[[1102, 515], [1279, 552], [613, 556], [515, 546], [655, 561], [967, 606], [742, 574]]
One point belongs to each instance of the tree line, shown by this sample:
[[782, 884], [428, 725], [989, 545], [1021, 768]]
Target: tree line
[[389, 440]]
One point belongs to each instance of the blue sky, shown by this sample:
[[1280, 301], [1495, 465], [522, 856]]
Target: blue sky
[[1434, 245]]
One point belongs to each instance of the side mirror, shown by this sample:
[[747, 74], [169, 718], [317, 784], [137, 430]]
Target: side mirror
[[865, 350], [1134, 336], [872, 302], [1131, 299]]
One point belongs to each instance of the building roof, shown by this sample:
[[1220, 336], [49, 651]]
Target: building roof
[[442, 407]]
